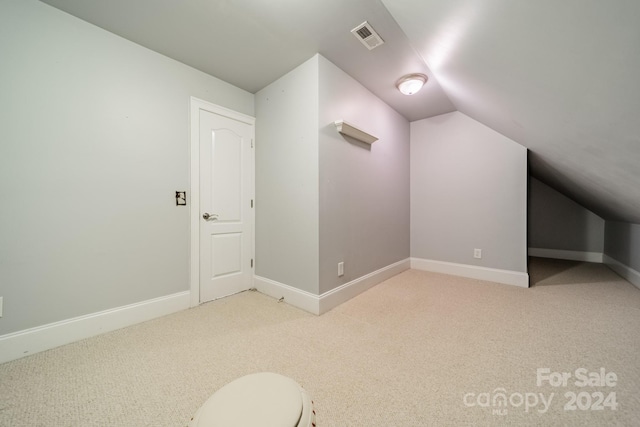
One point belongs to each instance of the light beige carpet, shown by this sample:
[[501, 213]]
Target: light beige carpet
[[420, 349]]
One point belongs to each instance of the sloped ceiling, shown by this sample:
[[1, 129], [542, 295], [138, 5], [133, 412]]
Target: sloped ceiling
[[558, 77], [251, 43]]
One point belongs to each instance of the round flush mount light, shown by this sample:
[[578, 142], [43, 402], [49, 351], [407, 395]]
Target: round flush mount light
[[411, 83]]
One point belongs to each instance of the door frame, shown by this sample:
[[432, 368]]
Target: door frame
[[196, 105]]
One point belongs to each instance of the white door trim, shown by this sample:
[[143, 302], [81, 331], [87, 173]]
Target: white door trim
[[194, 186]]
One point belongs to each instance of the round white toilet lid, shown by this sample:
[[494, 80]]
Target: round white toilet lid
[[264, 399]]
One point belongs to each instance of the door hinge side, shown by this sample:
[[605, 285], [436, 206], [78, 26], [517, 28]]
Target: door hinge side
[[251, 202], [251, 262]]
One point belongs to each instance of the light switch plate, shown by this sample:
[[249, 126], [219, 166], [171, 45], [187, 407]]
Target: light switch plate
[[181, 198]]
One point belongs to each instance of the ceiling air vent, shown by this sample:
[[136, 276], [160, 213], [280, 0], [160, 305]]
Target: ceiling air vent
[[367, 35]]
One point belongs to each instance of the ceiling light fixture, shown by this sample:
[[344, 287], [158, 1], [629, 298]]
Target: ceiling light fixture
[[411, 83]]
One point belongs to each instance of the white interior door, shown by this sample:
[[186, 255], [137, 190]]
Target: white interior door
[[226, 219]]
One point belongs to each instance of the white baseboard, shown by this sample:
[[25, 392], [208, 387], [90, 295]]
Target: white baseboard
[[34, 340], [506, 277], [625, 271], [319, 304], [333, 298], [568, 255], [294, 296]]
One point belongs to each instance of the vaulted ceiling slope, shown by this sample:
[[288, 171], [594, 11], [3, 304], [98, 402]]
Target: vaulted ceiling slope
[[251, 43], [558, 77]]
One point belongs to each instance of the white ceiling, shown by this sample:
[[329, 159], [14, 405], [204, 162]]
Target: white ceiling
[[555, 76], [251, 43]]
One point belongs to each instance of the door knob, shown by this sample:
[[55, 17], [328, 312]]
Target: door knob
[[209, 217]]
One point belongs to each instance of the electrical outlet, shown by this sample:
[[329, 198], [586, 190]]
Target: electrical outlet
[[477, 253], [340, 269]]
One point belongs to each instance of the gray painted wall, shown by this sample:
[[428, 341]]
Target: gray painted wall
[[557, 222], [622, 243], [94, 141], [321, 199], [364, 189], [468, 190], [287, 179]]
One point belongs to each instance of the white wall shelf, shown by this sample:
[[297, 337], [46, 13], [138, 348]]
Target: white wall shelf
[[352, 131]]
